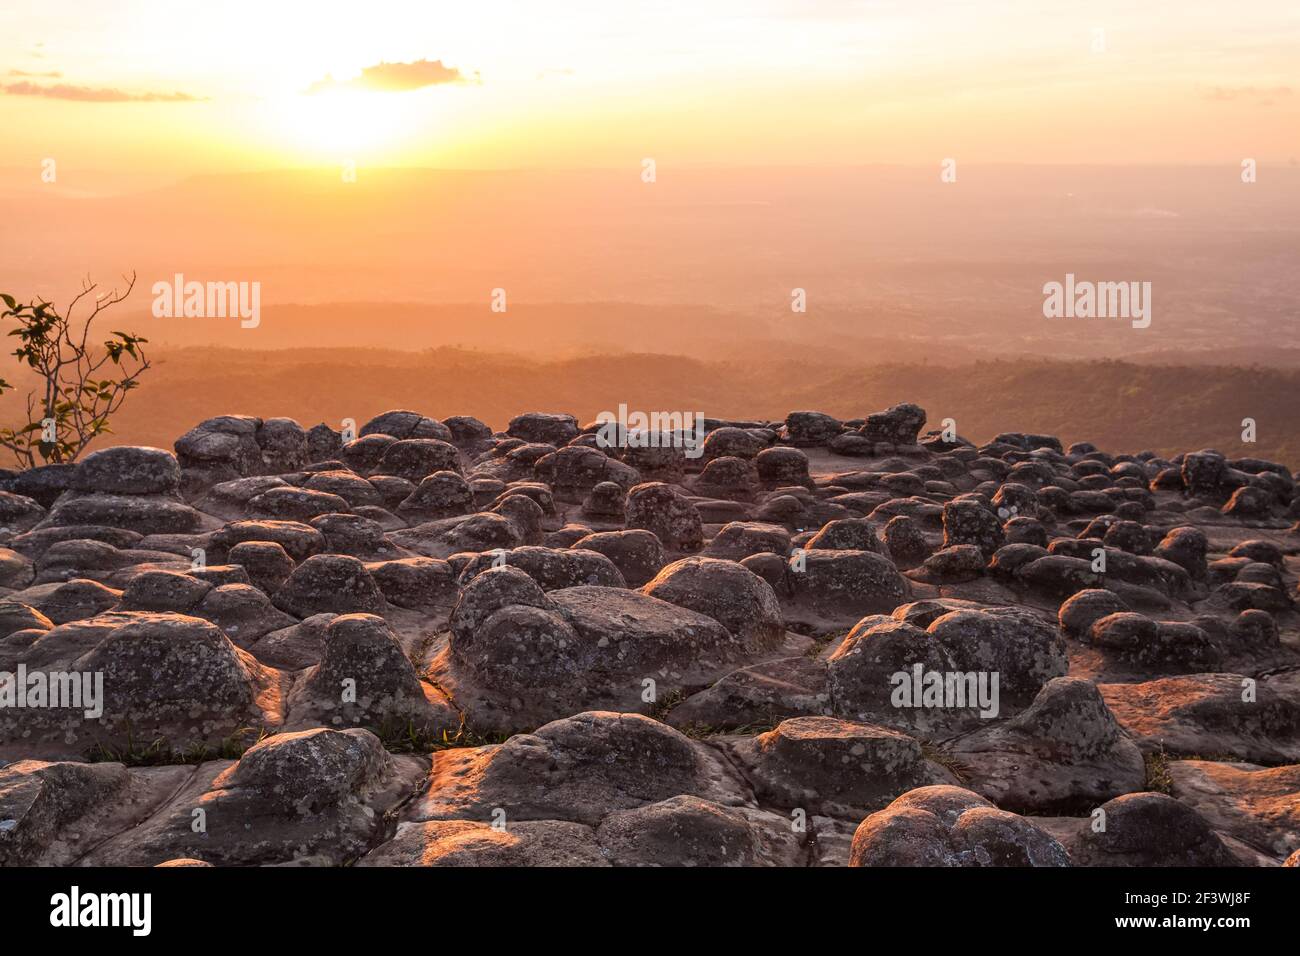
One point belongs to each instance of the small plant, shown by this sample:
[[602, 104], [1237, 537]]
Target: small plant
[[160, 752], [409, 738], [1159, 779], [72, 405], [659, 709]]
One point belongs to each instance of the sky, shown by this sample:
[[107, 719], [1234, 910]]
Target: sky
[[170, 87]]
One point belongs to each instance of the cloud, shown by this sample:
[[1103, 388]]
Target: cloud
[[52, 75], [93, 94], [394, 77], [1262, 95]]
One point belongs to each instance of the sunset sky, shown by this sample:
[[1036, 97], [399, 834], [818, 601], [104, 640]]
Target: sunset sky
[[170, 87]]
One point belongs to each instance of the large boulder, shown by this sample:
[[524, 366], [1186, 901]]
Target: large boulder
[[313, 797], [832, 588], [580, 768], [128, 470], [948, 826], [1064, 753], [899, 424], [727, 592], [364, 679], [329, 582], [833, 767], [664, 511]]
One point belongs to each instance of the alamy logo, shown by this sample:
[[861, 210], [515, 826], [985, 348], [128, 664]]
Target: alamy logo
[[210, 300], [74, 908], [1098, 300], [74, 690], [946, 689], [653, 430]]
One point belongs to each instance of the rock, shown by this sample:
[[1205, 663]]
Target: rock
[[740, 539], [905, 541], [283, 444], [552, 568], [221, 449], [531, 843], [443, 494], [732, 595], [40, 801], [664, 511], [967, 522], [1202, 714], [580, 769], [1206, 474], [1249, 502], [577, 647], [16, 571], [402, 424], [573, 471], [761, 695], [729, 442], [811, 428], [295, 647], [416, 583], [1010, 558], [948, 826], [229, 499], [165, 675], [899, 425], [1081, 611], [76, 600], [467, 431], [354, 490], [44, 483], [1020, 647], [1065, 752], [243, 613], [690, 831], [1149, 644], [18, 617], [145, 514], [163, 591], [729, 478], [832, 766], [542, 427], [19, 513], [416, 458], [861, 675], [836, 586], [847, 534], [782, 466], [354, 535], [365, 680], [1150, 829], [329, 582], [323, 443], [637, 554], [298, 540], [267, 563], [317, 795], [1259, 806], [962, 562], [362, 455], [606, 499]]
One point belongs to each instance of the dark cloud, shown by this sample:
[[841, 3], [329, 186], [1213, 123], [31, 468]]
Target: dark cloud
[[394, 77], [93, 94]]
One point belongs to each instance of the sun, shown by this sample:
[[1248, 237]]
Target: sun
[[342, 123]]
